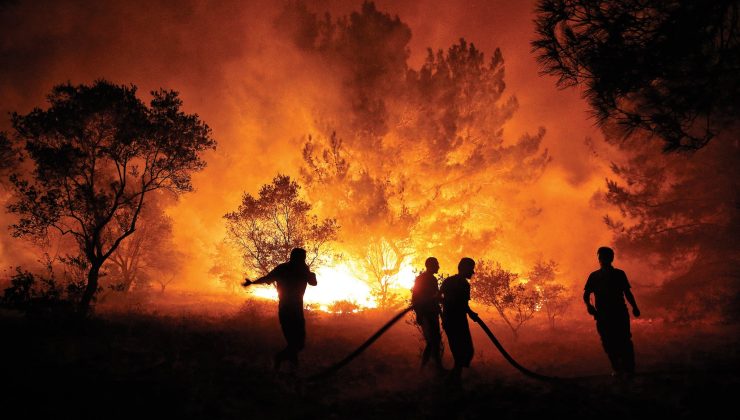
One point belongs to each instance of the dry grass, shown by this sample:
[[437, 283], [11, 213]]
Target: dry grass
[[181, 360]]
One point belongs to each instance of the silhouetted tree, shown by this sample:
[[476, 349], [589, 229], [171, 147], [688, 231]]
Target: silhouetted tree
[[665, 66], [364, 204], [514, 301], [164, 281], [267, 227], [8, 157], [98, 152], [554, 297], [679, 214]]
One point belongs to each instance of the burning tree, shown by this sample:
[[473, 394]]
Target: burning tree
[[383, 261], [554, 297], [418, 143], [98, 152], [367, 209], [266, 228], [666, 67], [515, 301]]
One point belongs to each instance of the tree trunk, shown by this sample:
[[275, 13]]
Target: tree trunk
[[90, 289], [506, 319]]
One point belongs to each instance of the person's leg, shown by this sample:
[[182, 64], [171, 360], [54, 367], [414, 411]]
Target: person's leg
[[461, 347], [284, 354], [435, 343], [627, 348], [605, 328], [293, 326], [452, 341], [425, 354], [427, 329], [297, 335]]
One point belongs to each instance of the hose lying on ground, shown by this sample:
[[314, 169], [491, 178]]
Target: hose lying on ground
[[508, 357], [335, 367]]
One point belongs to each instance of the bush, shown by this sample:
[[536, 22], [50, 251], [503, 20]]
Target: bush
[[29, 291]]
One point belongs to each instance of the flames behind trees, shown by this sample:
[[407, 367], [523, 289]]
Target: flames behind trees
[[268, 227], [421, 165], [414, 154]]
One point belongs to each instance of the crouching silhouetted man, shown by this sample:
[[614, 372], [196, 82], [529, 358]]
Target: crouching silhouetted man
[[455, 293], [292, 278], [610, 287], [425, 298]]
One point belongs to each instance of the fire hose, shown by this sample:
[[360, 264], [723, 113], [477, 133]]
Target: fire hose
[[508, 357], [335, 367], [340, 364]]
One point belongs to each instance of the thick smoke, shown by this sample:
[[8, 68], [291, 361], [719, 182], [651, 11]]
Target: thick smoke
[[265, 76]]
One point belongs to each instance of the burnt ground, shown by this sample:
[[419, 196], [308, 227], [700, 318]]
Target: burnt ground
[[123, 364]]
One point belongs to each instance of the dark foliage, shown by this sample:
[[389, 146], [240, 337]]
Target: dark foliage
[[266, 228], [98, 151], [667, 67]]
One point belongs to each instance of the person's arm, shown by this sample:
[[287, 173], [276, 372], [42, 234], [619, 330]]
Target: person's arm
[[587, 300], [473, 315], [631, 299], [312, 279], [266, 279], [629, 296]]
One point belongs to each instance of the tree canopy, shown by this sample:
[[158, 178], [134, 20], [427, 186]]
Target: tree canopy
[[267, 227], [97, 152], [668, 68]]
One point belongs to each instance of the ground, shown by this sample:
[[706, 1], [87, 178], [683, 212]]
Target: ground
[[197, 364]]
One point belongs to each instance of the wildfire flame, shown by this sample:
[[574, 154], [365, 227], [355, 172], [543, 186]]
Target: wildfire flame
[[342, 281]]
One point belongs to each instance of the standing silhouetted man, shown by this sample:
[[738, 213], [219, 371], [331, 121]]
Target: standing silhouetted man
[[425, 298], [610, 287], [455, 292], [292, 278]]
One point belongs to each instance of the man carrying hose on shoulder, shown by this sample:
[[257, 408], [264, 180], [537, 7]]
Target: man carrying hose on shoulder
[[455, 292]]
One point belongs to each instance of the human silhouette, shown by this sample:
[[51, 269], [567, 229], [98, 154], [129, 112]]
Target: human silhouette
[[425, 298], [455, 291], [610, 287], [292, 278]]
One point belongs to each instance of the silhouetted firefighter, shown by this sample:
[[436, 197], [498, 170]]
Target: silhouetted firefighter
[[292, 278], [455, 291], [610, 287], [425, 298]]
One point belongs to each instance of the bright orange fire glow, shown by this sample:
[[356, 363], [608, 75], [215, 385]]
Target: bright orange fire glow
[[342, 282], [242, 79]]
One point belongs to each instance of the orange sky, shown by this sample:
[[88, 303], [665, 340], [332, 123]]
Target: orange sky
[[233, 68]]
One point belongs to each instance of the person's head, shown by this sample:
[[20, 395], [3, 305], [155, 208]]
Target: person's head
[[432, 265], [298, 255], [606, 256], [466, 267]]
